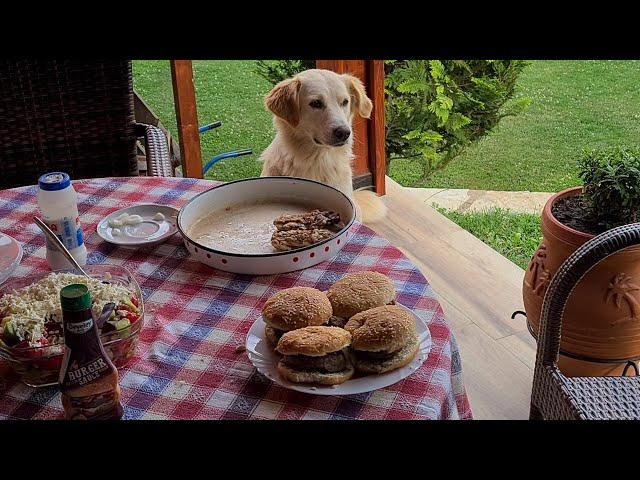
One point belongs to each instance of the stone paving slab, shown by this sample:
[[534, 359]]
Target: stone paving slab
[[464, 200]]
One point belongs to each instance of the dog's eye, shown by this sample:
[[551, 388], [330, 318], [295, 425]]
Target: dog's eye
[[316, 104], [345, 102]]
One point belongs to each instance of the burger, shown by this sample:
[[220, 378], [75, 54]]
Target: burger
[[382, 339], [357, 292], [315, 355], [294, 308]]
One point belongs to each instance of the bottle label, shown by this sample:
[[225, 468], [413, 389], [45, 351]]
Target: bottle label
[[78, 375], [80, 327], [84, 358], [68, 230]]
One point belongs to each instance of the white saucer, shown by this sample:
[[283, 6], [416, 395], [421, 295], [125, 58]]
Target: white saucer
[[148, 232], [10, 256], [266, 360]]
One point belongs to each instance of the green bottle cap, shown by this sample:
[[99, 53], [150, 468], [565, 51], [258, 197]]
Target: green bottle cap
[[75, 298]]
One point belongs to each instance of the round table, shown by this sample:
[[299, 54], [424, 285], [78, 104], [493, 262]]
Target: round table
[[188, 364]]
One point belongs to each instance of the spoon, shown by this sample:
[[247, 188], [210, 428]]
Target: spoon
[[59, 245], [106, 313]]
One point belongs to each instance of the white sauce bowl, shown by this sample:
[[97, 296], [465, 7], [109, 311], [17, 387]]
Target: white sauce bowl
[[266, 190]]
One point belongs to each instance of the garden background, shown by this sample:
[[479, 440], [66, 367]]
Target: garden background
[[575, 105]]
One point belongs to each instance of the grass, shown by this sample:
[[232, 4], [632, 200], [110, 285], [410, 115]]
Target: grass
[[575, 105], [226, 90], [515, 236]]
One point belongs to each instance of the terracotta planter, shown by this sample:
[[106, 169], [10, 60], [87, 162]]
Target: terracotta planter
[[602, 318], [580, 368]]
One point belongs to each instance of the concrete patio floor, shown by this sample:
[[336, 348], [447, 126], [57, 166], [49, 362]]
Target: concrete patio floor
[[478, 289], [464, 200]]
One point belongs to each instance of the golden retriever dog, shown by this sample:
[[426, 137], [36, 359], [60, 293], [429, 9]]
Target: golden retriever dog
[[313, 114]]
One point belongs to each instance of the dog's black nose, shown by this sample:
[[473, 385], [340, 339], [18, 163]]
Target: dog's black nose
[[340, 134]]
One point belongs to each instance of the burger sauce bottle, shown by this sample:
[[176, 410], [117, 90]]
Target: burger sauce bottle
[[88, 379]]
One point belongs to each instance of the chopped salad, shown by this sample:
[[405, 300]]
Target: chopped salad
[[32, 317]]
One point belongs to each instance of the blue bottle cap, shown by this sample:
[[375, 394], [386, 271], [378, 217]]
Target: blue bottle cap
[[54, 181]]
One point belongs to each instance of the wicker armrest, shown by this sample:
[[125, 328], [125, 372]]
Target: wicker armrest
[[156, 149]]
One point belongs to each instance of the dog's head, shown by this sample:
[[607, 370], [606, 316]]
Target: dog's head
[[320, 104]]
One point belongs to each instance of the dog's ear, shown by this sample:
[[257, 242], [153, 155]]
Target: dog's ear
[[282, 101], [360, 102]]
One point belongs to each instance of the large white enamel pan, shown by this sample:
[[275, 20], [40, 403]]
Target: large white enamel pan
[[266, 190]]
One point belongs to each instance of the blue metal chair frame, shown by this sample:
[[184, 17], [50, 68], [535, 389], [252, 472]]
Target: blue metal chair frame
[[222, 156]]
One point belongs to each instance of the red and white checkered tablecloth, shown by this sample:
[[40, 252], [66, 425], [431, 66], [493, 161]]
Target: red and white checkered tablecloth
[[187, 366]]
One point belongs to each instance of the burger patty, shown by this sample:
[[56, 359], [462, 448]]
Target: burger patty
[[376, 355], [329, 363], [337, 321]]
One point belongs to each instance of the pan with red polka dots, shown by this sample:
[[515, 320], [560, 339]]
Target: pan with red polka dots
[[253, 191]]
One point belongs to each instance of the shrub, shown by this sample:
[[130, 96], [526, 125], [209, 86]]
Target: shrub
[[435, 108], [611, 179], [277, 70]]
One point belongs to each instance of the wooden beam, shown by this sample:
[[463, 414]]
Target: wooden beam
[[337, 66], [376, 137], [369, 135], [360, 127], [184, 97]]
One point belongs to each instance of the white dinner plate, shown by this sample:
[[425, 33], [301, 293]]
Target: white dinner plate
[[149, 232], [266, 360], [10, 256]]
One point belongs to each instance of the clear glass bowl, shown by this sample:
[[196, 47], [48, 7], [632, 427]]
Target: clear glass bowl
[[40, 366]]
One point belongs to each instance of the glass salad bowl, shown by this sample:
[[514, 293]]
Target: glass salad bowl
[[38, 362]]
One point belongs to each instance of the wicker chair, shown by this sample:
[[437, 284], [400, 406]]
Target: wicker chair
[[554, 396], [73, 116]]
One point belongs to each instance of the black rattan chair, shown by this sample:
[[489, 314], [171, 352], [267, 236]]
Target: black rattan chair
[[74, 116], [554, 396]]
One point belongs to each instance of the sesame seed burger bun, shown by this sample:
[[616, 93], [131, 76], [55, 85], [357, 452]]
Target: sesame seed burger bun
[[313, 341], [317, 343], [357, 292], [398, 360], [299, 376], [381, 329], [295, 308], [383, 339]]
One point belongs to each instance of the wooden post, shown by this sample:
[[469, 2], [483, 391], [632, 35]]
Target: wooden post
[[184, 97], [377, 132], [369, 135]]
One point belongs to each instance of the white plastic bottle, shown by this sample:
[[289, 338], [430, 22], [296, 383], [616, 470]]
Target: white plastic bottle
[[58, 203]]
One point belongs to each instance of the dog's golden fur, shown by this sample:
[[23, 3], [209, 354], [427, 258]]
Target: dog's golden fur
[[307, 109]]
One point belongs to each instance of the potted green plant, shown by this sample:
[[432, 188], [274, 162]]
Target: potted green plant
[[602, 318]]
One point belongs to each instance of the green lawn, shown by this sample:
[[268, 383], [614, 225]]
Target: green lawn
[[226, 90], [575, 105], [513, 235]]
